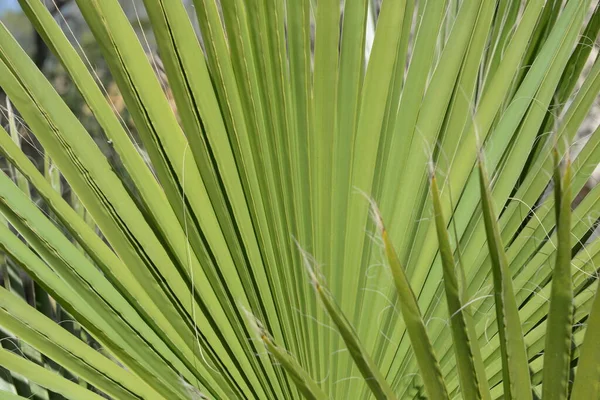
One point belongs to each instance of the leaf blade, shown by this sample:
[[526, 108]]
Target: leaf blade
[[515, 369], [473, 381]]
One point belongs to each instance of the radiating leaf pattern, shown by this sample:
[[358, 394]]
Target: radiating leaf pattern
[[277, 138]]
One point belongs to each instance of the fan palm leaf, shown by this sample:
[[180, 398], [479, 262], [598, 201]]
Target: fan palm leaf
[[260, 153]]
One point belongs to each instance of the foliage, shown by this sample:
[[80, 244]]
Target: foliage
[[351, 213]]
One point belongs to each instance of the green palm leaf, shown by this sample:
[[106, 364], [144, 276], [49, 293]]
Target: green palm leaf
[[168, 227]]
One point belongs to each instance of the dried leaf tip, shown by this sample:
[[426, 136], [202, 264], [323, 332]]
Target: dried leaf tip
[[255, 325], [309, 263], [431, 168], [376, 216], [374, 211]]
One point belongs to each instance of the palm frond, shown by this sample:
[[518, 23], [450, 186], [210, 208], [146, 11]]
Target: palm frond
[[168, 234]]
